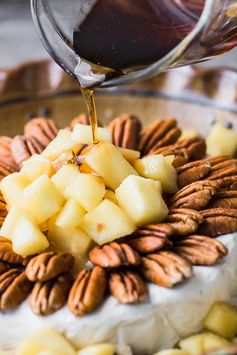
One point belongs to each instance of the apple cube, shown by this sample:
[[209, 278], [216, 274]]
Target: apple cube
[[36, 166], [142, 200], [12, 218], [62, 160], [221, 140], [83, 134], [188, 133], [107, 161], [12, 187], [98, 349], [110, 195], [87, 190], [222, 320], [129, 154], [64, 176], [74, 241], [172, 352], [158, 168], [70, 215], [42, 199], [45, 339], [60, 144], [107, 222]]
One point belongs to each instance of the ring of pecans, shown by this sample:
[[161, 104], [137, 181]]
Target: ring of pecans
[[203, 208]]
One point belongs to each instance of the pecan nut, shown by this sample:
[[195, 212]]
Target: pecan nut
[[165, 268], [8, 255], [201, 250], [49, 296], [224, 199], [6, 153], [4, 267], [218, 221], [180, 154], [125, 131], [220, 165], [88, 291], [82, 119], [195, 146], [194, 196], [190, 173], [185, 221], [3, 209], [149, 244], [48, 265], [14, 288], [127, 286], [23, 147], [43, 129], [5, 170], [161, 230], [158, 134], [114, 255], [230, 170], [227, 183]]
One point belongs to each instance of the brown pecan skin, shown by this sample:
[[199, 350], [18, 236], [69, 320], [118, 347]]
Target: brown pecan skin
[[188, 174], [43, 129], [47, 266], [6, 157], [114, 255], [201, 250], [49, 296], [125, 131], [161, 230], [14, 289], [23, 147], [184, 221], [88, 291], [4, 267], [149, 244], [5, 170], [127, 286], [224, 199], [8, 255], [165, 268], [218, 221]]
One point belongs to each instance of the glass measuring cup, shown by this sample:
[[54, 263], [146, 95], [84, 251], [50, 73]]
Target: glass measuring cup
[[212, 32]]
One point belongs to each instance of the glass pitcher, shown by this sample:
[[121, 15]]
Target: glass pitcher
[[112, 42]]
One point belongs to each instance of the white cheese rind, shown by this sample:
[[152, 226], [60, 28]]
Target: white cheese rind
[[168, 315]]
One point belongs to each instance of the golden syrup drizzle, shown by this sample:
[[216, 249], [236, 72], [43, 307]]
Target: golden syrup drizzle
[[88, 95]]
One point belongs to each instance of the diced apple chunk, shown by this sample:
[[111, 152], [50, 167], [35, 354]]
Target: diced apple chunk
[[64, 176], [107, 222], [15, 214], [83, 134], [142, 200], [36, 166], [60, 144], [221, 140], [106, 160], [42, 199], [12, 187], [129, 154], [222, 320], [87, 190], [158, 168], [188, 133], [98, 349], [172, 352], [110, 195], [45, 339], [70, 215]]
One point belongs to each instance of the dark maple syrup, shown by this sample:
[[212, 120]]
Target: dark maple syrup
[[90, 103]]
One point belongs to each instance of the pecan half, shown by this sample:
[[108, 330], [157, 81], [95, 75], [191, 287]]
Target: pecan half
[[114, 255], [165, 268], [196, 147], [195, 196], [49, 265], [3, 209], [180, 154], [149, 244], [189, 173], [185, 221], [158, 134], [88, 291], [4, 267], [218, 221], [224, 164], [14, 288], [82, 119], [49, 296], [224, 199], [6, 153], [161, 230], [125, 131], [127, 286], [43, 129], [201, 250], [5, 170], [23, 147], [8, 255], [228, 183], [230, 170]]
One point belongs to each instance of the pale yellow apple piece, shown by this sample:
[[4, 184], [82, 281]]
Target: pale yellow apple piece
[[107, 161], [36, 166], [63, 142], [64, 176], [50, 352], [129, 154], [83, 134], [70, 216], [107, 222], [45, 339], [188, 133], [74, 241], [214, 342], [27, 239], [87, 190], [12, 187], [110, 195], [172, 352], [222, 320], [98, 349], [142, 200], [42, 199], [157, 167], [62, 160], [221, 140], [5, 352]]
